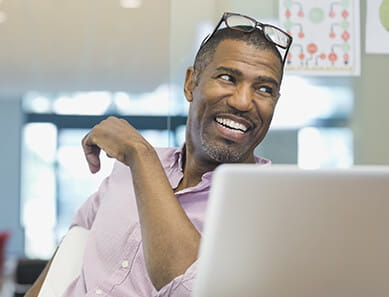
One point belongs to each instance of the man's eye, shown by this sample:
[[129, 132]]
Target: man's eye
[[226, 77], [265, 89]]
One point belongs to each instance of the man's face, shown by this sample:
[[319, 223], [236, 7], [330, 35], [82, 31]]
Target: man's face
[[232, 103]]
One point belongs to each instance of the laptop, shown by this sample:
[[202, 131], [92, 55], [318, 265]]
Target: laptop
[[281, 231]]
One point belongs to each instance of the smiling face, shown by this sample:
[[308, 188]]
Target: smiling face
[[232, 102]]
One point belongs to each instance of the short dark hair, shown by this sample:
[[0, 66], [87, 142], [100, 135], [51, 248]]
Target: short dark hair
[[206, 52]]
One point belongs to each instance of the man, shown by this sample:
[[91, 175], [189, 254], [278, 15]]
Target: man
[[146, 219]]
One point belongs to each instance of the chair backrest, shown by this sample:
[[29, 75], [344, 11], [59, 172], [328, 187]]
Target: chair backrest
[[4, 235], [67, 263]]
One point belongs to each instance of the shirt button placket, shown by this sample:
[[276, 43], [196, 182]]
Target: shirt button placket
[[99, 292]]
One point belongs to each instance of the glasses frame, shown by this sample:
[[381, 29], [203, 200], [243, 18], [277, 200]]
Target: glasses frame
[[257, 24]]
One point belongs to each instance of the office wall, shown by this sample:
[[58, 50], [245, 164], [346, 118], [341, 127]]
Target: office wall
[[11, 119], [370, 119]]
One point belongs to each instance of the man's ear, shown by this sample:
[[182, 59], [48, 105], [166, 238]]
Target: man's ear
[[189, 83]]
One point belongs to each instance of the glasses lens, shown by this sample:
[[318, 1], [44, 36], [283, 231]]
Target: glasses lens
[[277, 36], [240, 22]]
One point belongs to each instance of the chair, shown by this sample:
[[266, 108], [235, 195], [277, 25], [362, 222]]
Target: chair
[[26, 273], [66, 264]]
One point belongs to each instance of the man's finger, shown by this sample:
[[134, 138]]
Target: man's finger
[[92, 153], [93, 162]]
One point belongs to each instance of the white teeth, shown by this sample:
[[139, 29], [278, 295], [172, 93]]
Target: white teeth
[[232, 124]]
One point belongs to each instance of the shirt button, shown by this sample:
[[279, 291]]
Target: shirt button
[[99, 292], [125, 264]]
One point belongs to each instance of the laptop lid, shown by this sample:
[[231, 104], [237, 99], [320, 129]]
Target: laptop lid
[[281, 231]]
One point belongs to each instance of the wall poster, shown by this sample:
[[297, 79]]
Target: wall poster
[[326, 36]]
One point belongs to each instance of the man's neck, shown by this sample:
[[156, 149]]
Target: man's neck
[[194, 169]]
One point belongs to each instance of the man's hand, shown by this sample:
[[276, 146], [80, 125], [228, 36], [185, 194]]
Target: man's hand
[[114, 136]]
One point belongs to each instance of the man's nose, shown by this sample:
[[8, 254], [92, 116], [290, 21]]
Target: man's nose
[[241, 99]]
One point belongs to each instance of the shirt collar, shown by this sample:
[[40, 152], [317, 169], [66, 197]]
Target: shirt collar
[[178, 158]]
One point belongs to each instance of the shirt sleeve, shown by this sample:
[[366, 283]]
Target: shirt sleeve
[[181, 286], [86, 214]]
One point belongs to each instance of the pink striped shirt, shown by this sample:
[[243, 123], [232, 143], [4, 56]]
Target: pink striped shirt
[[114, 264]]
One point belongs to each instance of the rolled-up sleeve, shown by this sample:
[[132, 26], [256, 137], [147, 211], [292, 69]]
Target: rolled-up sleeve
[[181, 286]]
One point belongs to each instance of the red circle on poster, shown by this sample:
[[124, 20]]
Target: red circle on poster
[[312, 48], [333, 57]]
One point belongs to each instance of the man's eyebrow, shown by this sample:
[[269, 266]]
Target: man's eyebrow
[[261, 79], [230, 70], [267, 79]]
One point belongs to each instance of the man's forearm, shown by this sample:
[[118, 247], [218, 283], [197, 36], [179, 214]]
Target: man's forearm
[[170, 241]]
